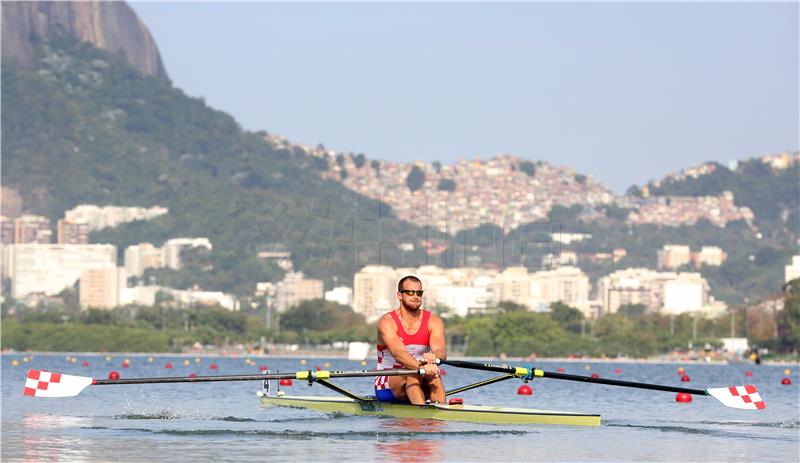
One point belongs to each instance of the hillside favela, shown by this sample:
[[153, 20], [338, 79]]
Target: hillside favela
[[129, 226]]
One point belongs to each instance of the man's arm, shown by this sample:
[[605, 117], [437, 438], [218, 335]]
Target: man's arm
[[387, 332], [437, 337]]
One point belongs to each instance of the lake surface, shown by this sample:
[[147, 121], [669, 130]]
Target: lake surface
[[224, 421]]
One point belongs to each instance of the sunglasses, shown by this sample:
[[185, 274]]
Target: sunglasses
[[411, 292]]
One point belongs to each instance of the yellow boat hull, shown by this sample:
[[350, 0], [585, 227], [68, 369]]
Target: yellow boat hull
[[470, 413]]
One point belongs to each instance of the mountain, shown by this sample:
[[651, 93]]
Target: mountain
[[111, 26]]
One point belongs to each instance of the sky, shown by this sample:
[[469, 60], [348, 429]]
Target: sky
[[624, 92]]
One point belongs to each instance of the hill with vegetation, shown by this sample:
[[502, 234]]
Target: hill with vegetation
[[83, 126]]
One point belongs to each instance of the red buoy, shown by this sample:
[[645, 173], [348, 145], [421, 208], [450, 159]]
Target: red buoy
[[748, 373], [786, 381], [456, 401], [193, 375], [168, 365], [86, 364], [442, 372], [213, 366], [285, 382], [560, 369], [683, 397], [685, 378], [317, 368], [618, 371], [595, 375], [264, 368], [113, 375], [524, 390], [681, 371], [126, 364]]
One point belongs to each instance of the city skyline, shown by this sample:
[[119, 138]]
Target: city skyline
[[625, 93]]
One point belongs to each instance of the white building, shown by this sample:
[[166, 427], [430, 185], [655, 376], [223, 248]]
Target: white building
[[139, 295], [191, 297], [568, 285], [294, 289], [171, 250], [140, 257], [51, 268], [374, 291], [110, 216], [665, 292], [792, 270], [341, 295], [463, 298]]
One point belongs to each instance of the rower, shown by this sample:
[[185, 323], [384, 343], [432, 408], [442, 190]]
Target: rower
[[410, 337]]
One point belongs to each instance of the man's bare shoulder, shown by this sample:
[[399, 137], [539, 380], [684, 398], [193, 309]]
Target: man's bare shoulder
[[386, 320], [435, 319]]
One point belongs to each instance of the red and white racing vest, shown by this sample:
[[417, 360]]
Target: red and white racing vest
[[416, 344]]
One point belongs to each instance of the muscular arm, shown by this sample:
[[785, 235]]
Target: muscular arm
[[437, 339], [387, 335]]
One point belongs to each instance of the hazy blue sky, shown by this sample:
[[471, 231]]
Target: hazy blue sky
[[625, 92]]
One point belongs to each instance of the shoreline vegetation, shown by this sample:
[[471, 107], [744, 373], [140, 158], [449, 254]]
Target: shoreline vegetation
[[325, 328]]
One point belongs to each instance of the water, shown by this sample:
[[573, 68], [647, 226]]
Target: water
[[224, 421]]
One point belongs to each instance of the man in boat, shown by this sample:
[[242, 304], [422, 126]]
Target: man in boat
[[410, 337]]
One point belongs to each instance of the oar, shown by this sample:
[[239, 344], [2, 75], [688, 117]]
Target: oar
[[743, 397], [42, 383]]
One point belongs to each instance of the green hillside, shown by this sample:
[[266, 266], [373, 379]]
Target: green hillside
[[84, 127]]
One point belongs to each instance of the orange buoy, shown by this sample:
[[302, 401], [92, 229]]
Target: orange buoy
[[125, 364], [786, 381], [213, 366], [681, 370], [113, 375], [168, 365], [748, 374], [683, 397], [595, 375], [524, 390], [685, 378], [285, 382]]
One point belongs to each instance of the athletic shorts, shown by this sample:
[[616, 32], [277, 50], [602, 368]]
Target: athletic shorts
[[386, 395]]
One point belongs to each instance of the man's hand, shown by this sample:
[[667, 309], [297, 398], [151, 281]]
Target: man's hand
[[429, 358], [431, 370]]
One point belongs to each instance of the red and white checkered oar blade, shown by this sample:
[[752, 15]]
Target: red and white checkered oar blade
[[743, 397], [42, 383]]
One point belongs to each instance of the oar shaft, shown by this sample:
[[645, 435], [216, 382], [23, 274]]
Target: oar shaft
[[616, 382], [303, 375], [517, 371]]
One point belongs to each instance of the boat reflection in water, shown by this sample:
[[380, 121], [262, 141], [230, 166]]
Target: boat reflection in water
[[410, 447]]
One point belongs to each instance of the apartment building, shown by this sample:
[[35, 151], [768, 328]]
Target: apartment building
[[51, 268]]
